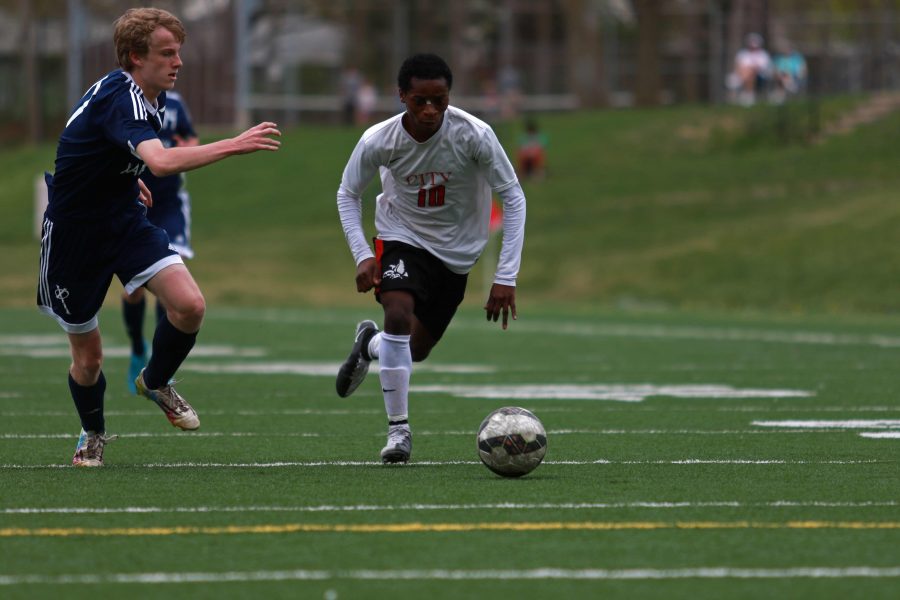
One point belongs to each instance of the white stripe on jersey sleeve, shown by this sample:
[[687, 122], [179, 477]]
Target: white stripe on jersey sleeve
[[137, 103]]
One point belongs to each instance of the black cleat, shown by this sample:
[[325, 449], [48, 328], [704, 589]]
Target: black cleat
[[354, 369]]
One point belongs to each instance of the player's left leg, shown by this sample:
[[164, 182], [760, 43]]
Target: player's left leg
[[174, 337], [395, 359], [134, 307]]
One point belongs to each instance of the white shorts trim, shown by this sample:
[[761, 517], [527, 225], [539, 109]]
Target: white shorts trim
[[70, 327], [148, 273]]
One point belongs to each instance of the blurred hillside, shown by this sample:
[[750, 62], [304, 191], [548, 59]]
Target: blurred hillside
[[691, 208]]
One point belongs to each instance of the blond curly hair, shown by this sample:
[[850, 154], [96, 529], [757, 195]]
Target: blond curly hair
[[133, 30]]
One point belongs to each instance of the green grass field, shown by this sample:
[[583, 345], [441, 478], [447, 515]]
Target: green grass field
[[708, 329], [689, 457]]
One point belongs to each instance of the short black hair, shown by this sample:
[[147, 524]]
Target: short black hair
[[423, 66]]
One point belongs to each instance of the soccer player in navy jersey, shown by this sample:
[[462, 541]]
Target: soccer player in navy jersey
[[438, 167], [171, 211], [95, 225]]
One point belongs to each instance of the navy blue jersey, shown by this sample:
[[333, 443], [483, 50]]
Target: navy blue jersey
[[176, 122], [97, 166]]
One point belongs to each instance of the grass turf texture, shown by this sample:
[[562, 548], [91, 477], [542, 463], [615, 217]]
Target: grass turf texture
[[761, 498]]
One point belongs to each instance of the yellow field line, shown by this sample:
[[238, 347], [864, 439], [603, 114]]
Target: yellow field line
[[435, 527]]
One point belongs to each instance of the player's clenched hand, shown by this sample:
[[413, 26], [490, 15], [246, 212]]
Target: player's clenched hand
[[258, 137], [144, 194], [367, 275], [502, 300]]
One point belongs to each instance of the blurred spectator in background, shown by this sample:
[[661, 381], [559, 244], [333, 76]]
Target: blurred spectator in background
[[350, 84], [752, 71], [366, 98], [531, 155], [509, 83], [790, 73]]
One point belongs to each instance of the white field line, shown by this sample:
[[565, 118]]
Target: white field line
[[59, 348], [881, 435], [319, 369], [553, 432], [433, 463], [542, 573], [544, 409], [617, 392], [445, 507], [239, 413], [836, 424], [146, 434], [592, 329], [711, 334]]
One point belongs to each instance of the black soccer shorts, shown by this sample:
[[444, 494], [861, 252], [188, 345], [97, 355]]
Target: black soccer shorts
[[438, 291]]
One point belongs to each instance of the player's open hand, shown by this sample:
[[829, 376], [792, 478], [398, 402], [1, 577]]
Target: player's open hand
[[368, 275], [501, 301], [258, 137]]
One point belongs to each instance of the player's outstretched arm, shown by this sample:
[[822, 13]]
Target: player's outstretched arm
[[164, 161]]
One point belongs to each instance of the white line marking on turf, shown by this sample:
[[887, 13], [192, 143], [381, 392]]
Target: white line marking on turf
[[144, 434], [319, 369], [544, 409], [614, 392], [554, 573], [849, 424], [433, 463], [203, 434], [443, 507], [882, 435], [61, 350], [243, 413], [715, 334]]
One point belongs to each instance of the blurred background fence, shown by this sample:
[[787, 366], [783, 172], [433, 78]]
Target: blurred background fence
[[336, 60]]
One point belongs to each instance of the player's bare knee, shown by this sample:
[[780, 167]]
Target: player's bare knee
[[86, 368], [188, 314]]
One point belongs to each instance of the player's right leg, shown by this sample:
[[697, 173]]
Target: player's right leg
[[87, 386], [354, 368], [72, 284]]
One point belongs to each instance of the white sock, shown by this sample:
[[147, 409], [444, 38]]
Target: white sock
[[396, 366], [374, 346]]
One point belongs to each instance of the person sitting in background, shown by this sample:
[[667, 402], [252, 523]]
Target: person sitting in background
[[531, 155], [752, 70], [790, 73]]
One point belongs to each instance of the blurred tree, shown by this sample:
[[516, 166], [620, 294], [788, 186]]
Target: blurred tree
[[584, 53], [648, 78]]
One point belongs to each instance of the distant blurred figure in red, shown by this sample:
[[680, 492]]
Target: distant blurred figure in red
[[532, 153]]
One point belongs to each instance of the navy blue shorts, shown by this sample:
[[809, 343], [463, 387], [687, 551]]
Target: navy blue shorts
[[174, 215], [79, 259], [438, 291]]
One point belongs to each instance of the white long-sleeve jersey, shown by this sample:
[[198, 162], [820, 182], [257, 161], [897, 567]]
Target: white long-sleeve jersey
[[436, 195]]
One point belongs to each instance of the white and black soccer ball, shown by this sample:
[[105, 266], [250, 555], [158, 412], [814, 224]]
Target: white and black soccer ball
[[511, 441]]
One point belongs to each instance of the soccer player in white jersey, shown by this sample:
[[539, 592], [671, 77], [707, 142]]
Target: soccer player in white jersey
[[438, 166], [95, 225]]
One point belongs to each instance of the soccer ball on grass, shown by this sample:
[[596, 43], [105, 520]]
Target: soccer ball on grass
[[511, 441]]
